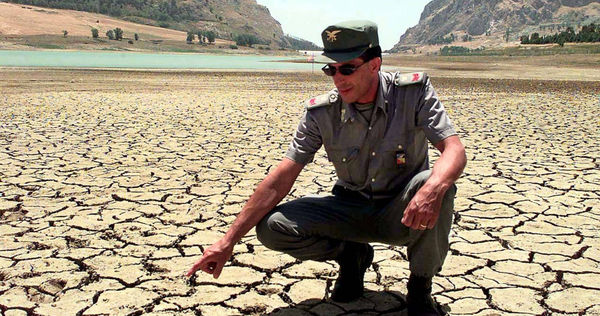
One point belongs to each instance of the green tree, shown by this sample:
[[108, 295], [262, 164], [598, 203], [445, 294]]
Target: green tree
[[110, 34], [173, 10], [246, 40], [210, 35], [190, 37], [65, 32], [118, 34], [442, 40], [206, 36], [94, 32], [454, 51], [136, 37]]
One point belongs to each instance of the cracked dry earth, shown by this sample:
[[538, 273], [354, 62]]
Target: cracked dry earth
[[112, 183]]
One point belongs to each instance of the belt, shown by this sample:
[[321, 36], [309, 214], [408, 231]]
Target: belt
[[341, 191]]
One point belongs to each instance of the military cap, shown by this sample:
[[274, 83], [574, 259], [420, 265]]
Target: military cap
[[347, 40]]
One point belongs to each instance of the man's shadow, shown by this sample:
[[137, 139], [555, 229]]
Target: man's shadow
[[372, 303]]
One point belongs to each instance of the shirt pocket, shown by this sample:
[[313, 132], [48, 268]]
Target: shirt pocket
[[341, 158], [395, 155]]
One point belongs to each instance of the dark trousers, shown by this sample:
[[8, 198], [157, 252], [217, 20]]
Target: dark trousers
[[315, 228]]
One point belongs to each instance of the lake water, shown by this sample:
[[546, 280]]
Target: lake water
[[75, 59]]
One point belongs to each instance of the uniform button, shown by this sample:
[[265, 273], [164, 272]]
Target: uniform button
[[372, 179], [373, 154], [399, 146], [370, 127], [344, 159]]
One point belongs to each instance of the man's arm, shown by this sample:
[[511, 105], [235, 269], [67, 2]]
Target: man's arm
[[425, 206], [267, 195]]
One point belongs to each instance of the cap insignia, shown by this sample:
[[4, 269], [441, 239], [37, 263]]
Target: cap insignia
[[332, 35]]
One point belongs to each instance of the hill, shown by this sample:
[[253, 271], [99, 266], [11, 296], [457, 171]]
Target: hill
[[487, 23], [226, 18]]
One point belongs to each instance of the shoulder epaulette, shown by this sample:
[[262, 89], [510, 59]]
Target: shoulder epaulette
[[409, 78], [321, 100]]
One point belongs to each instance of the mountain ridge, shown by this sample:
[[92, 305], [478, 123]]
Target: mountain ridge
[[226, 18], [447, 21]]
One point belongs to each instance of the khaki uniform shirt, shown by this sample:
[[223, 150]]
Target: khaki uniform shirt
[[378, 158]]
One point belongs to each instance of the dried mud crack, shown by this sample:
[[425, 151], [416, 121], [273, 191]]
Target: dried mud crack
[[108, 196]]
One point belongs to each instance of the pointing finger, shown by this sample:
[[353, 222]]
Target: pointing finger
[[199, 265], [194, 268]]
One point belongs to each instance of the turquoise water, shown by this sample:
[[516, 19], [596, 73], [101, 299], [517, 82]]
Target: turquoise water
[[75, 59]]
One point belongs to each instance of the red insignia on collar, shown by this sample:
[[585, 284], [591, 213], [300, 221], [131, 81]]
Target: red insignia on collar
[[415, 77], [312, 101]]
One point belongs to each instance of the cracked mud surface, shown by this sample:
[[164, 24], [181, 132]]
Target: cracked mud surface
[[112, 183]]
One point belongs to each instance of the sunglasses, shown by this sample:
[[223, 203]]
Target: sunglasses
[[346, 69]]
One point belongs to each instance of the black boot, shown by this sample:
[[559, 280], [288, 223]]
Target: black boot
[[354, 261], [418, 299]]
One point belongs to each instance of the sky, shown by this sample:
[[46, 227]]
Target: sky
[[308, 18]]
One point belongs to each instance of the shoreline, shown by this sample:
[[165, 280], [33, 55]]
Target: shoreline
[[444, 75], [214, 51], [575, 68]]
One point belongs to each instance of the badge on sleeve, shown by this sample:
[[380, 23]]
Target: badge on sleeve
[[321, 100], [409, 78]]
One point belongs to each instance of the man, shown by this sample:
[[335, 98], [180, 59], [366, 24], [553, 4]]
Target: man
[[374, 127]]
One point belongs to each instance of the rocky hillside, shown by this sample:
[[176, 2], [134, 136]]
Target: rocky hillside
[[451, 22], [227, 18]]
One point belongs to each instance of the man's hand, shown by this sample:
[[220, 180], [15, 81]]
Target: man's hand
[[268, 193], [423, 210], [213, 259]]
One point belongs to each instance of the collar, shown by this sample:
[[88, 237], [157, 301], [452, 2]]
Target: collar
[[383, 91], [349, 113]]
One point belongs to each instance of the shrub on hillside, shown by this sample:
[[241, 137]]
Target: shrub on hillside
[[208, 35], [247, 40], [442, 40], [118, 34], [587, 34], [190, 37], [94, 32], [458, 51]]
